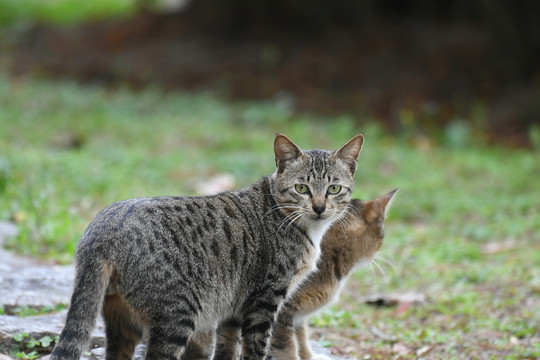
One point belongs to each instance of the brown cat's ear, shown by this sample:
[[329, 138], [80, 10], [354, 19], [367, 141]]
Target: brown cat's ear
[[378, 207], [285, 150], [350, 151]]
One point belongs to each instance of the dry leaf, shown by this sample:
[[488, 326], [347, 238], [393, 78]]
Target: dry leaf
[[424, 350], [401, 349], [379, 333], [499, 247]]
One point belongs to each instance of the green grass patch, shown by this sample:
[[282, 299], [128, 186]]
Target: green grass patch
[[26, 311], [27, 347], [60, 11]]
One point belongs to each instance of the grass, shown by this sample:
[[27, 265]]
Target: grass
[[67, 151], [60, 11], [27, 311]]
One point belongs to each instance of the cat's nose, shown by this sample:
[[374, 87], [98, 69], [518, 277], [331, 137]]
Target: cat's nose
[[319, 208]]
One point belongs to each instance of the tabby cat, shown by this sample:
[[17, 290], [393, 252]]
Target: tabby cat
[[350, 243], [165, 268]]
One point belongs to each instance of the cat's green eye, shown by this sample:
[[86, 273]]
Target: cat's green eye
[[334, 189], [301, 188]]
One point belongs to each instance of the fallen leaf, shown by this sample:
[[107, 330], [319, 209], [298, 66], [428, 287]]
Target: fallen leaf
[[499, 247], [424, 350], [379, 333], [401, 349], [402, 308]]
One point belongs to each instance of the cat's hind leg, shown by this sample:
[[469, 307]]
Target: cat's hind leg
[[122, 328]]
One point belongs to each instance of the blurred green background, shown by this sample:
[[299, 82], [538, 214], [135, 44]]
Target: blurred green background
[[463, 231]]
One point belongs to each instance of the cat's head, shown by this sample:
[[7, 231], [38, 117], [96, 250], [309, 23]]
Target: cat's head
[[365, 224], [314, 185]]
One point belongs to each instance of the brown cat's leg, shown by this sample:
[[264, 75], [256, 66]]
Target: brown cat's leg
[[200, 346], [121, 328], [228, 341], [303, 341], [284, 344]]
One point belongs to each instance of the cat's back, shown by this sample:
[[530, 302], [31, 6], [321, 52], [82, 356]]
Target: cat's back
[[143, 226], [130, 216]]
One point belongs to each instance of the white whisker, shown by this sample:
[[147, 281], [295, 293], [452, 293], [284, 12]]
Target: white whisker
[[385, 279], [373, 275], [299, 216], [281, 206], [289, 219], [380, 257]]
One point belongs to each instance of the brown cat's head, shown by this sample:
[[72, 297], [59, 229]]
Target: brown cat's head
[[360, 234]]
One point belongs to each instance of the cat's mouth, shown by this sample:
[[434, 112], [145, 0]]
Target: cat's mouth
[[318, 217]]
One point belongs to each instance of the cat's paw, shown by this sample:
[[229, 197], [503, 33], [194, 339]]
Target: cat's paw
[[320, 357]]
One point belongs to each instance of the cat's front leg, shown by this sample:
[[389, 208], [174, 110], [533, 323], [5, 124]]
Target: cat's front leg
[[200, 346], [304, 349], [255, 338], [169, 333], [284, 344], [228, 341], [256, 330]]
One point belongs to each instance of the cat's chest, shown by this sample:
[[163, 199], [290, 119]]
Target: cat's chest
[[308, 262], [316, 231]]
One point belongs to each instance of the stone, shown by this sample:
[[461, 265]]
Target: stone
[[38, 326], [7, 229], [35, 286]]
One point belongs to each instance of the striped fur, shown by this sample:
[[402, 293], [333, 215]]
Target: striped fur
[[348, 244], [168, 269]]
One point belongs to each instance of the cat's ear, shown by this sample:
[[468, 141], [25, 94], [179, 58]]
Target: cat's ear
[[285, 150], [350, 151], [378, 208]]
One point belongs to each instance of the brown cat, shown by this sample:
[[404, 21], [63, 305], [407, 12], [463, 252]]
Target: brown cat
[[347, 245]]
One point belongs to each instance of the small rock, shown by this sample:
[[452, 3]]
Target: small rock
[[514, 340], [36, 286], [7, 229]]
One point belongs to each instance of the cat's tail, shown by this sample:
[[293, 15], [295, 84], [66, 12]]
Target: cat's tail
[[91, 280]]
